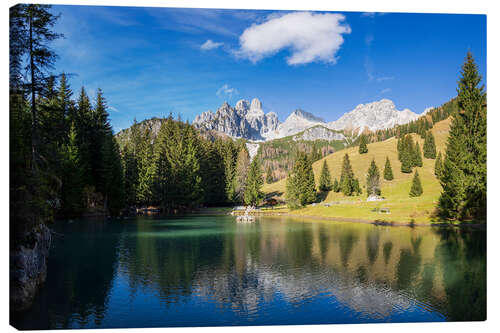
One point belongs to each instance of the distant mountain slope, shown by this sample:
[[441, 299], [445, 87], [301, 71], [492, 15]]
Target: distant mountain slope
[[248, 120], [374, 116]]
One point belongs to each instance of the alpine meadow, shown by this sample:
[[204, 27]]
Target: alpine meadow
[[133, 204]]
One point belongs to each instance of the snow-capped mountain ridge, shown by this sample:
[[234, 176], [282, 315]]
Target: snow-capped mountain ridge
[[248, 120]]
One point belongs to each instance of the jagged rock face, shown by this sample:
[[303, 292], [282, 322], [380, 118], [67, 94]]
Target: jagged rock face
[[296, 122], [373, 116], [248, 120], [28, 267], [319, 133], [245, 120]]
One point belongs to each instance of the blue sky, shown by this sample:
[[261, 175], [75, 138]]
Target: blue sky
[[153, 61]]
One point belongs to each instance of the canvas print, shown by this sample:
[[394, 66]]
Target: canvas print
[[175, 167]]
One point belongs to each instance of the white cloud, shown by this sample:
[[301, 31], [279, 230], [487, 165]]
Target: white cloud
[[112, 108], [209, 45], [225, 90], [309, 37], [385, 91]]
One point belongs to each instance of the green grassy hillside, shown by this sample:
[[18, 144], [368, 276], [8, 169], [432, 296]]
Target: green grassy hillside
[[402, 207]]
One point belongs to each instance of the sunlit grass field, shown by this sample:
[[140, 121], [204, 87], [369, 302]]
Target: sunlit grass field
[[403, 209]]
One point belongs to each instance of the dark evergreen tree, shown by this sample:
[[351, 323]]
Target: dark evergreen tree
[[315, 153], [438, 166], [242, 165], [416, 186], [464, 170], [72, 178], [429, 146], [355, 186], [325, 180], [336, 186], [300, 189], [269, 175], [407, 154], [253, 193], [347, 177], [112, 172], [388, 175], [417, 160], [38, 23], [363, 141], [373, 180]]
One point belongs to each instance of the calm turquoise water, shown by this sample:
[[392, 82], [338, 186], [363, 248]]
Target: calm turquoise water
[[205, 271]]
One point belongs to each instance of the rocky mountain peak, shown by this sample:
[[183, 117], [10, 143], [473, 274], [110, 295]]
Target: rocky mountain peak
[[374, 116], [299, 113]]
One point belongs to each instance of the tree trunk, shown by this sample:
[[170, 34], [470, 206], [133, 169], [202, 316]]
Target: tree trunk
[[34, 126]]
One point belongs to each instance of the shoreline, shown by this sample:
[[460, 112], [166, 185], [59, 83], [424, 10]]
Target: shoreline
[[366, 221]]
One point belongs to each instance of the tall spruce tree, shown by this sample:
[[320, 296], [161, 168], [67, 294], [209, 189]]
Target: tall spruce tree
[[269, 175], [72, 178], [373, 180], [253, 193], [438, 166], [347, 177], [38, 22], [325, 180], [336, 186], [464, 170], [112, 172], [300, 188], [416, 186], [363, 141], [388, 175], [429, 146], [242, 165], [417, 160]]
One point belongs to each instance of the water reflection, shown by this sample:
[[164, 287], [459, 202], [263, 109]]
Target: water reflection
[[156, 272]]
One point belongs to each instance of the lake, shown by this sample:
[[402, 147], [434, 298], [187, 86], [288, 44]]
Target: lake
[[210, 270]]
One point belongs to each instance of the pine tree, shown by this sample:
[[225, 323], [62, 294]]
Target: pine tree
[[417, 160], [373, 180], [253, 193], [269, 175], [325, 181], [363, 148], [416, 186], [406, 159], [38, 22], [112, 172], [388, 175], [429, 146], [242, 165], [315, 153], [336, 186], [72, 183], [355, 186], [438, 166], [347, 177], [464, 170], [300, 183]]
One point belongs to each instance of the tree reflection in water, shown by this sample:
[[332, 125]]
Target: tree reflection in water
[[265, 272]]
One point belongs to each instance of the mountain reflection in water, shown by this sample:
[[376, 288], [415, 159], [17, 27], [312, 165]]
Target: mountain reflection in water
[[199, 271]]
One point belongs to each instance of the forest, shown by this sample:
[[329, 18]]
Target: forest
[[65, 160]]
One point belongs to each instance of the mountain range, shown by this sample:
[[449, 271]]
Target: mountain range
[[248, 120]]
